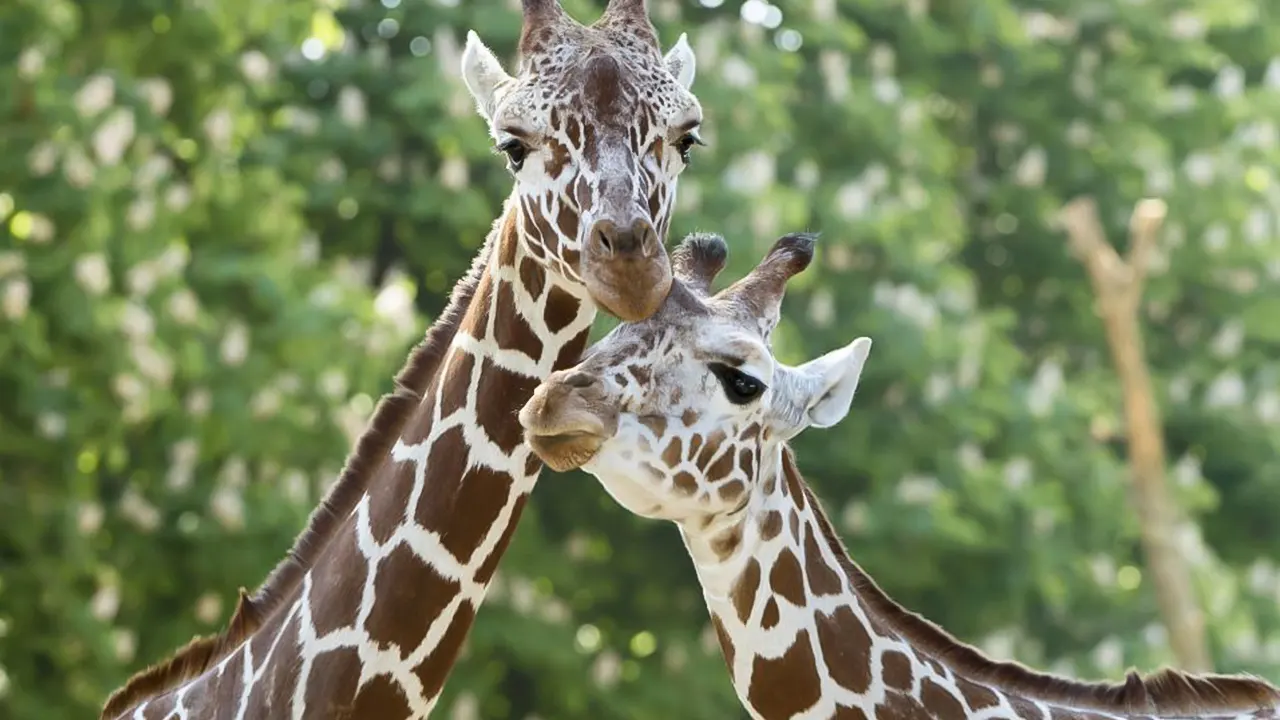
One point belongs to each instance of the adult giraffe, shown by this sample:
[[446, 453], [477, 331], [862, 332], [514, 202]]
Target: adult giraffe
[[367, 614], [685, 417]]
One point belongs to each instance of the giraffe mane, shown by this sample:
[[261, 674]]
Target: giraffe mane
[[1164, 692], [389, 417]]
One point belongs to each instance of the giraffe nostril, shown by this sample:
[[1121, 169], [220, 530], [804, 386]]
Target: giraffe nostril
[[604, 241], [579, 380]]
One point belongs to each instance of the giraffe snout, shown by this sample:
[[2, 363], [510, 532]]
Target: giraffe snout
[[626, 268], [568, 419]]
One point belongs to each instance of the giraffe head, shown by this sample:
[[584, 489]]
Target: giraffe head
[[674, 414], [595, 126]]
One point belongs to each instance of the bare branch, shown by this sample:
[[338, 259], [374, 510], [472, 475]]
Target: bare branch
[[1144, 229], [1089, 242], [1118, 288]]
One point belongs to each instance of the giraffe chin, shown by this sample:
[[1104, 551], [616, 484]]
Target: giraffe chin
[[566, 451]]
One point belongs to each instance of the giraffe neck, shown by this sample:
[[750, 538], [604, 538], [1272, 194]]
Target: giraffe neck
[[807, 634], [377, 622]]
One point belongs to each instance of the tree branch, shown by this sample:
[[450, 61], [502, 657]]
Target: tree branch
[[1118, 288]]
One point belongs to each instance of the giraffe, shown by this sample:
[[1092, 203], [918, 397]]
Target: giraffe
[[367, 614], [686, 417]]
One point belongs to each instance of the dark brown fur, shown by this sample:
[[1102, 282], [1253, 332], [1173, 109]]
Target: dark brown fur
[[372, 449], [1167, 692]]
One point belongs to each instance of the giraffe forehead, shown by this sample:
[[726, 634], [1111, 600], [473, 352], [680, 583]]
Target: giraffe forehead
[[598, 81]]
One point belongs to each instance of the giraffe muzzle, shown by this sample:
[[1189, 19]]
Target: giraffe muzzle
[[626, 268], [568, 419]]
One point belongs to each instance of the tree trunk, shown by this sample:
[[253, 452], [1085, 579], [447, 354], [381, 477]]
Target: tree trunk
[[1118, 287]]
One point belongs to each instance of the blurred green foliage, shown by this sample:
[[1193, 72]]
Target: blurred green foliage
[[204, 207]]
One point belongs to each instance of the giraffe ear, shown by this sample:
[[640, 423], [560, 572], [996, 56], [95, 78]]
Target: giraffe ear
[[681, 62], [833, 379], [483, 75]]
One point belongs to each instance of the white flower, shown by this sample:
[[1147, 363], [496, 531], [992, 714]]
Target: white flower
[[178, 197], [153, 364], [17, 298], [454, 173], [78, 168], [30, 63], [159, 95], [208, 608], [136, 321], [255, 66], [105, 602], [235, 343], [92, 273], [95, 95], [89, 518], [138, 510], [218, 126], [227, 507], [41, 228], [141, 213], [113, 136], [42, 159], [183, 306], [125, 643], [51, 425], [351, 106], [199, 402]]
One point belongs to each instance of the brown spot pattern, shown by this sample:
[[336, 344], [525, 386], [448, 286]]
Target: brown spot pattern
[[657, 424], [504, 392], [726, 643], [510, 331], [786, 578], [976, 696], [457, 381], [794, 485], [331, 684], [770, 525], [900, 706], [485, 572], [744, 590], [476, 506], [846, 648], [747, 461], [561, 309], [897, 670], [709, 449], [784, 686], [823, 579], [732, 491], [532, 278], [380, 696], [389, 507], [771, 615], [674, 453], [434, 669], [273, 694], [722, 468], [337, 583], [726, 542], [405, 580]]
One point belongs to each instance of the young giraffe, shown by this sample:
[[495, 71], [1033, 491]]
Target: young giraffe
[[367, 614], [686, 416]]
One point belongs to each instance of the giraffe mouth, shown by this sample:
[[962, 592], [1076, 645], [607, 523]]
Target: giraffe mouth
[[565, 451]]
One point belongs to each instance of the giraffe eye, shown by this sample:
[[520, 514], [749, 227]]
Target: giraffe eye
[[516, 152], [685, 144], [739, 387]]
